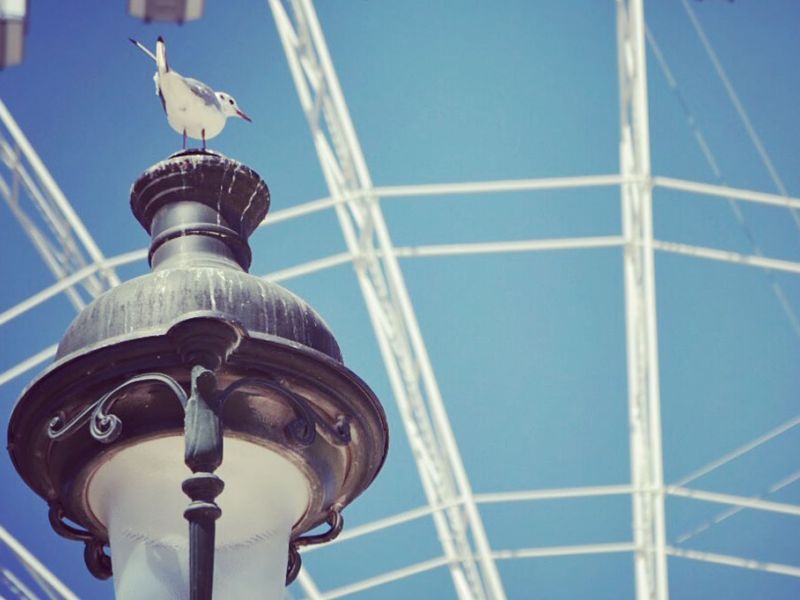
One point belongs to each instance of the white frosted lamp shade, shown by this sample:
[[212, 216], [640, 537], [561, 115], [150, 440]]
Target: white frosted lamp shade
[[137, 495]]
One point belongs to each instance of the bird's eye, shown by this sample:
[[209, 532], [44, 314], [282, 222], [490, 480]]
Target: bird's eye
[[231, 100]]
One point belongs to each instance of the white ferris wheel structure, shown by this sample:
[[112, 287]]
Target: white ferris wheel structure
[[81, 272]]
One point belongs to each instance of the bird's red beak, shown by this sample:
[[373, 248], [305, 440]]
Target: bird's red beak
[[244, 116]]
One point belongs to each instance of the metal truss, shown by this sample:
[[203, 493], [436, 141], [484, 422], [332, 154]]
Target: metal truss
[[82, 271], [72, 256], [48, 583], [644, 410], [441, 470], [677, 489], [61, 240]]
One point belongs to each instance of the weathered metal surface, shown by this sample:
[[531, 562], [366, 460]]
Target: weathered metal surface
[[150, 304], [278, 365], [207, 205]]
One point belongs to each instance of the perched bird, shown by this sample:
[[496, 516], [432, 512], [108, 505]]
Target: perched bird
[[193, 109]]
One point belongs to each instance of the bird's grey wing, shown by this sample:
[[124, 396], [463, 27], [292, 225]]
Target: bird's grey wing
[[202, 91]]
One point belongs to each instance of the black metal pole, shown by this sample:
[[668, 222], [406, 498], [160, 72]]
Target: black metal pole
[[203, 455]]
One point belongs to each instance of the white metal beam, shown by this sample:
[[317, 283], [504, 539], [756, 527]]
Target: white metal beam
[[731, 500], [32, 563], [724, 191], [714, 165], [308, 586], [515, 554], [388, 577], [503, 185], [555, 494], [313, 266], [60, 202], [17, 586], [730, 512], [740, 451], [300, 210], [28, 364], [385, 523], [650, 563], [309, 267], [739, 107], [48, 253], [751, 260], [549, 183], [554, 551], [486, 498], [425, 419], [735, 561], [67, 282], [609, 241]]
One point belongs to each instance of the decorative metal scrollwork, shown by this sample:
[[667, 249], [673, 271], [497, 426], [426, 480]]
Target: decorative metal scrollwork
[[307, 422], [97, 561], [106, 427], [336, 522], [103, 426]]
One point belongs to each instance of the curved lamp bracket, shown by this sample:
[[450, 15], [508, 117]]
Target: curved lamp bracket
[[103, 426], [307, 423], [336, 522], [203, 455], [97, 561]]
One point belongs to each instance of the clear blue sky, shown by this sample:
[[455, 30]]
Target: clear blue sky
[[529, 348]]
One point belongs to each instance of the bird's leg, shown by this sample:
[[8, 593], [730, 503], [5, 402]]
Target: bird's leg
[[184, 139], [204, 139]]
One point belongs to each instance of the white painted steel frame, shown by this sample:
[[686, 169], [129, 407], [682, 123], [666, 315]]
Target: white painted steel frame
[[50, 256], [42, 574], [739, 107], [581, 549], [411, 376], [452, 505], [644, 411], [64, 256]]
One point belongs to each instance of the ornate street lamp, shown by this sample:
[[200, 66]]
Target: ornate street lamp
[[175, 364], [169, 11], [13, 27]]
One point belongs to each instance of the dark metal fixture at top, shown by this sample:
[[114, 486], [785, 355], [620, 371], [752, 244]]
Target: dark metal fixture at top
[[194, 356]]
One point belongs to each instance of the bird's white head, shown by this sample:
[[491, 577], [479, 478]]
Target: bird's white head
[[230, 108]]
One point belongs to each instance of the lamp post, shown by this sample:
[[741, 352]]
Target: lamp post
[[168, 368]]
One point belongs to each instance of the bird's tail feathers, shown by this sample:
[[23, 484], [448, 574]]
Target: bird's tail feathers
[[161, 56], [143, 48]]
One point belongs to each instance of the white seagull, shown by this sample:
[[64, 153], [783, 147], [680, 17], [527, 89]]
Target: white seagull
[[193, 109]]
